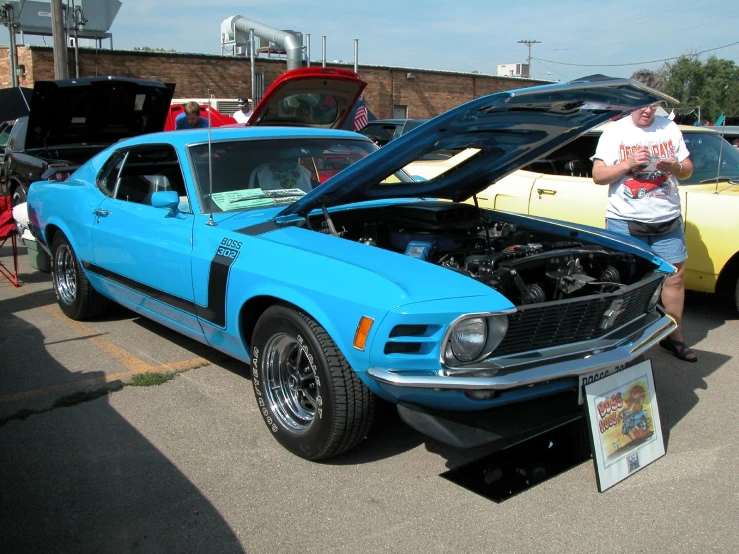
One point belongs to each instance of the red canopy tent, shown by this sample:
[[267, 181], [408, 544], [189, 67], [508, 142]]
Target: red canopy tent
[[8, 231]]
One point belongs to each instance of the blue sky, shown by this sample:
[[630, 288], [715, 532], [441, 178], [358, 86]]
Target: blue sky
[[461, 35]]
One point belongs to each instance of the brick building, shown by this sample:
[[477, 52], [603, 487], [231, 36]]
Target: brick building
[[425, 93]]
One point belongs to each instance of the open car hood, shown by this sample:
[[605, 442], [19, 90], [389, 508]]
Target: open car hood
[[15, 102], [509, 129], [96, 110], [309, 97]]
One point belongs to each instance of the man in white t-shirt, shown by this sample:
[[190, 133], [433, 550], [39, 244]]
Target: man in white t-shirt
[[641, 158], [242, 114]]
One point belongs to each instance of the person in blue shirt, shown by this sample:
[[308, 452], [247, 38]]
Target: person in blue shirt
[[191, 118]]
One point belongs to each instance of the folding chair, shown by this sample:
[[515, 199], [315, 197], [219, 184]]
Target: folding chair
[[8, 231]]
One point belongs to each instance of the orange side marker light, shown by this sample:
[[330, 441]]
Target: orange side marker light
[[363, 329]]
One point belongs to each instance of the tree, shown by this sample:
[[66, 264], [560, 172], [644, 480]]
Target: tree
[[150, 49], [713, 85]]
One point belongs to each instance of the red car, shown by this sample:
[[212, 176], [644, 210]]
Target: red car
[[640, 188], [217, 119], [303, 97], [309, 97]]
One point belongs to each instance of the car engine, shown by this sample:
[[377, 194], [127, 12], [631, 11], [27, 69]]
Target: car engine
[[525, 265]]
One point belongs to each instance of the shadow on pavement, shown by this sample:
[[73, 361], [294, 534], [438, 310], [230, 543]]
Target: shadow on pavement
[[81, 479]]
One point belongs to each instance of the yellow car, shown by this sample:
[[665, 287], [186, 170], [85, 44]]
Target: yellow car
[[560, 186]]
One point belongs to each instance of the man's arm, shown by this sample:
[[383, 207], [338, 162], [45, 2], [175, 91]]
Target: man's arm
[[606, 174]]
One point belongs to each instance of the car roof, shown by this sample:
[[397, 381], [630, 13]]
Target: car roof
[[199, 136]]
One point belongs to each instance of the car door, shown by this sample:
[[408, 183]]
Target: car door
[[510, 194], [144, 252], [572, 197]]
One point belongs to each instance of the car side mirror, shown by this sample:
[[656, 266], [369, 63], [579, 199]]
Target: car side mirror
[[165, 199]]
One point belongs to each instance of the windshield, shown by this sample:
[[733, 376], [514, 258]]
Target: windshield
[[705, 151], [252, 173], [316, 108]]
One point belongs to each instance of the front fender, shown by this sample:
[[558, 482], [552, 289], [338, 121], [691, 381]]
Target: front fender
[[339, 317]]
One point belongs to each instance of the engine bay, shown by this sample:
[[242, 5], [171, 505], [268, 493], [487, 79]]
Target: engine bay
[[527, 266]]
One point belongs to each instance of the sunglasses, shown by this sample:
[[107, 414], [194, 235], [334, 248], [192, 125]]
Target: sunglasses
[[654, 106]]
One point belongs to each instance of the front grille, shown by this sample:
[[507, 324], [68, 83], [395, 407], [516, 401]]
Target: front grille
[[541, 326]]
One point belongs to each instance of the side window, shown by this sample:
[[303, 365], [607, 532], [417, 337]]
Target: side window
[[5, 135], [108, 176], [150, 169]]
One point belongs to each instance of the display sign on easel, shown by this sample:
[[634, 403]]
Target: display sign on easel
[[624, 421]]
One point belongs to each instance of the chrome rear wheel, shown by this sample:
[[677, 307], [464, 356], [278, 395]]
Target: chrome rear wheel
[[74, 293], [65, 274]]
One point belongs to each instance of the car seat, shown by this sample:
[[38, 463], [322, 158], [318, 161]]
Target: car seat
[[281, 175], [157, 183], [578, 168]]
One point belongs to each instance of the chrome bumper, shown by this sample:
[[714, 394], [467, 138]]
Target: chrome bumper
[[628, 349]]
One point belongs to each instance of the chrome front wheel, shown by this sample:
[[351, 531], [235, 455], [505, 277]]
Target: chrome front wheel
[[290, 383], [311, 400]]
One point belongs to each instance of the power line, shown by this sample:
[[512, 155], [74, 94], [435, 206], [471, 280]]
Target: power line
[[634, 63]]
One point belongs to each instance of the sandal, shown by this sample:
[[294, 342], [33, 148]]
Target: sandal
[[679, 349]]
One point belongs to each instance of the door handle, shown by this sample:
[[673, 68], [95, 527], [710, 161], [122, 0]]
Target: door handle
[[546, 191], [101, 213]]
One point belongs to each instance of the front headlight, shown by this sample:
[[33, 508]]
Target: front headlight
[[468, 338]]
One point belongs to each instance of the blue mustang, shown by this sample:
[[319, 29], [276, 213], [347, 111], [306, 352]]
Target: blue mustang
[[369, 283]]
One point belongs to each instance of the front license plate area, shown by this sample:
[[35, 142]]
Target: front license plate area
[[588, 378]]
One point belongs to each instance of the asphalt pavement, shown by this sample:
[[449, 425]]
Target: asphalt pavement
[[91, 464]]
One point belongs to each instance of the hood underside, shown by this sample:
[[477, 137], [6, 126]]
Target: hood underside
[[99, 110], [508, 129], [309, 97]]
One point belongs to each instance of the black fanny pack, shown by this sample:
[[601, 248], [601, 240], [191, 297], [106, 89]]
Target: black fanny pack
[[642, 228]]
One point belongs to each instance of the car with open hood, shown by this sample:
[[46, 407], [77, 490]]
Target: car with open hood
[[371, 284], [72, 120], [317, 97], [560, 185]]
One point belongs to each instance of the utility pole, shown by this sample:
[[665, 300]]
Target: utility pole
[[79, 23], [8, 19], [529, 43], [61, 61]]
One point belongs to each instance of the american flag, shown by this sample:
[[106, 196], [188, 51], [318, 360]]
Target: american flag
[[360, 117]]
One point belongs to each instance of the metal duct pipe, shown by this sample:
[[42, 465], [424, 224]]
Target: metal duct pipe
[[307, 48], [254, 94], [323, 47], [356, 55], [289, 42]]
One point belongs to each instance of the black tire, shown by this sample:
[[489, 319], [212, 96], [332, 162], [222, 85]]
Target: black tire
[[309, 397], [74, 293], [736, 292], [18, 195]]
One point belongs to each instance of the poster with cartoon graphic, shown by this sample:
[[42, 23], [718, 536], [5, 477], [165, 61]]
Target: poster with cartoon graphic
[[624, 423]]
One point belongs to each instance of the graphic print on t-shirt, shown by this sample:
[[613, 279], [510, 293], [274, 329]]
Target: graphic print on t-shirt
[[647, 180]]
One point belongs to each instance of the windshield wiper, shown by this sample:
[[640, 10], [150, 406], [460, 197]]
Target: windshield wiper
[[277, 194]]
